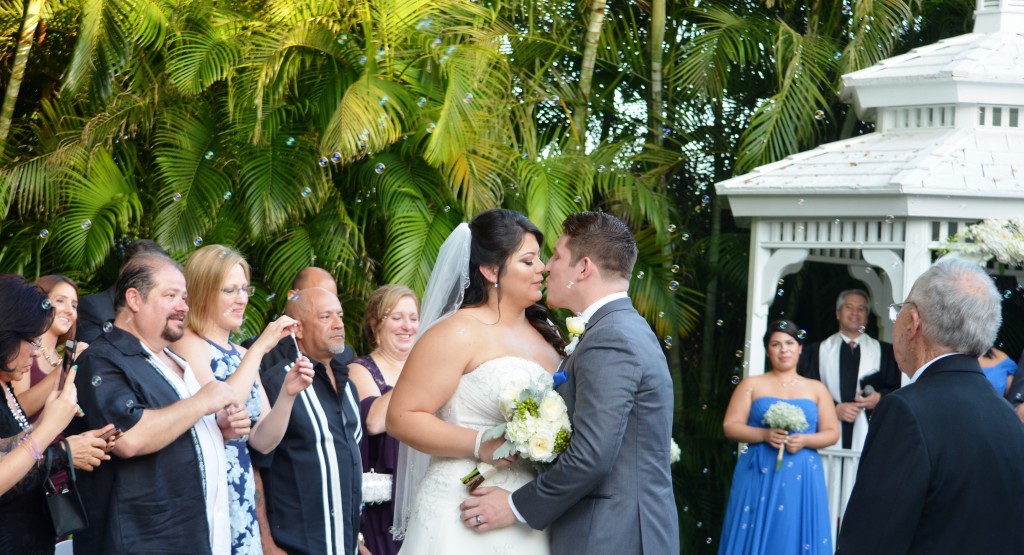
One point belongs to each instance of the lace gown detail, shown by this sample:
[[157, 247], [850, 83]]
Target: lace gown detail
[[435, 526]]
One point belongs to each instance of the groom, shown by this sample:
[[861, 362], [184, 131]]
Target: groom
[[611, 491]]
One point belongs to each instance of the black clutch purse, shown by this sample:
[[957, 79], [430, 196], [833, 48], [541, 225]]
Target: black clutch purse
[[66, 509]]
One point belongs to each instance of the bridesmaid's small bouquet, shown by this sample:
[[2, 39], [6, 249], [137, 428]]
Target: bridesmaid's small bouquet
[[784, 416], [536, 428]]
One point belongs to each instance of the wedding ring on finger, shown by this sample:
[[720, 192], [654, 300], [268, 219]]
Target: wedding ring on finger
[[478, 521]]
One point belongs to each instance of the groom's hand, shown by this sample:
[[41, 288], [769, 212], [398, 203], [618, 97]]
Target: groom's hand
[[487, 509]]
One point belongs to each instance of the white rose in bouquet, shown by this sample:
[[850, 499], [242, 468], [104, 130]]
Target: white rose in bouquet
[[541, 448], [552, 408]]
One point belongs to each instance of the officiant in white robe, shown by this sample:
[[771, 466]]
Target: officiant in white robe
[[847, 362]]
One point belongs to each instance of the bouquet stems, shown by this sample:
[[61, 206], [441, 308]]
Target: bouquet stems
[[778, 460]]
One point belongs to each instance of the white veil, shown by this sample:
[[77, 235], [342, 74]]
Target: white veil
[[443, 296]]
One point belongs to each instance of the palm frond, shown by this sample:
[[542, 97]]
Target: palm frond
[[659, 294], [102, 202], [276, 183], [101, 50], [786, 121], [192, 167]]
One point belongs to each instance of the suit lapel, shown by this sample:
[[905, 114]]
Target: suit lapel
[[568, 389]]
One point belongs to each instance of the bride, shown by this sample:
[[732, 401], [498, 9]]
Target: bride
[[486, 334]]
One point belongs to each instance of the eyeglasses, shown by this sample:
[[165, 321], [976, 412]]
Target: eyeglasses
[[232, 291], [36, 345], [895, 308]]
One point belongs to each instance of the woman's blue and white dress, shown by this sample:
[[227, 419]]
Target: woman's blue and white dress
[[245, 531]]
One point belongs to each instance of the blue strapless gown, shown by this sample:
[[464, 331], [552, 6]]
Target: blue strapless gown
[[997, 374], [783, 513]]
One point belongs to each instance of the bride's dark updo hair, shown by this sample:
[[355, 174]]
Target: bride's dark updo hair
[[497, 233]]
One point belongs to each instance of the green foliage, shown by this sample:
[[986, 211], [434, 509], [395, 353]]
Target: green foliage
[[464, 106]]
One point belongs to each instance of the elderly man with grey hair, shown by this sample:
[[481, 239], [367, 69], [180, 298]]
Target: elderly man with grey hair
[[941, 468]]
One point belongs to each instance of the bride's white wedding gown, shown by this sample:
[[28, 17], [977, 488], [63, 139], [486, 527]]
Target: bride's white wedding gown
[[435, 526]]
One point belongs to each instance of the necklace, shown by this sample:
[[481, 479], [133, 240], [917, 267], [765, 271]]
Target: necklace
[[12, 404], [49, 360], [794, 381]]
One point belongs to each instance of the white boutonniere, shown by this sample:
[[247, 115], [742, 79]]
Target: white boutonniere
[[674, 452], [575, 325]]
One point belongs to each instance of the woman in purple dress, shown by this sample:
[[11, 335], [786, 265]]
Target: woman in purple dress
[[391, 322], [33, 388]]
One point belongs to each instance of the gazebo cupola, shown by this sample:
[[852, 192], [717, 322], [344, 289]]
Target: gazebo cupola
[[948, 151]]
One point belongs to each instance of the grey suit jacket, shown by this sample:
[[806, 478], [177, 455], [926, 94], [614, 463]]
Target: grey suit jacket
[[611, 491]]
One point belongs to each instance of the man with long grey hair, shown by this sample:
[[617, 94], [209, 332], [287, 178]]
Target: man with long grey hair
[[940, 472]]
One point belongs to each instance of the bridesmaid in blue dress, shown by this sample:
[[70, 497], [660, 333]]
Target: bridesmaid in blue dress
[[999, 368], [781, 512], [218, 288]]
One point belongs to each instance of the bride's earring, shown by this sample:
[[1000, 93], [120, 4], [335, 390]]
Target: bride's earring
[[495, 284], [571, 283]]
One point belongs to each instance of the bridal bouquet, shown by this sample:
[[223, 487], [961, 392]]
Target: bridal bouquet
[[784, 416], [536, 428]]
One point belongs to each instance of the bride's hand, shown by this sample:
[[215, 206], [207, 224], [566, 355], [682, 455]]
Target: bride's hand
[[487, 449]]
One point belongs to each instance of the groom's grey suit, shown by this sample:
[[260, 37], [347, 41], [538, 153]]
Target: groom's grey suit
[[611, 491]]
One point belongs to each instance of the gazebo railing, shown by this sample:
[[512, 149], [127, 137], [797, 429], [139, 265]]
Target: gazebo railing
[[840, 473]]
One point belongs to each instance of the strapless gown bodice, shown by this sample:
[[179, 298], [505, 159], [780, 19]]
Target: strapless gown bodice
[[435, 526]]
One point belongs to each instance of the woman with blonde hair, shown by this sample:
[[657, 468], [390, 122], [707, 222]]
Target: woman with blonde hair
[[390, 323], [217, 278]]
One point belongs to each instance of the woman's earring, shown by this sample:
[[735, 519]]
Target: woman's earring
[[495, 284], [571, 283]]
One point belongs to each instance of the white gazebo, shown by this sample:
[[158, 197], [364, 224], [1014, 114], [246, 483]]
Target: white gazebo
[[948, 151]]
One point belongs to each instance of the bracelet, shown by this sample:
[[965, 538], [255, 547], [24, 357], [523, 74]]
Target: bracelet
[[31, 447], [476, 446]]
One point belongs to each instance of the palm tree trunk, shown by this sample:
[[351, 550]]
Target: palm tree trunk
[[28, 31], [587, 69], [656, 108], [707, 355]]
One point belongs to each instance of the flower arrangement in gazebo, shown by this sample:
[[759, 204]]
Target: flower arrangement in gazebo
[[999, 239]]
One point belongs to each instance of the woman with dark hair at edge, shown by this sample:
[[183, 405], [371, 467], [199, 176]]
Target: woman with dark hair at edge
[[25, 526], [33, 388], [482, 332], [777, 508]]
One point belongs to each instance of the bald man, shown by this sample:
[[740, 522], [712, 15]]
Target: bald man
[[309, 277], [312, 481]]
